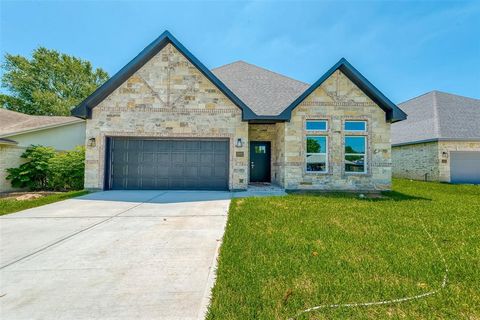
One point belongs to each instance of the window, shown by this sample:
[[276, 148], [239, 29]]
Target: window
[[317, 125], [355, 126], [260, 149], [355, 154], [317, 154]]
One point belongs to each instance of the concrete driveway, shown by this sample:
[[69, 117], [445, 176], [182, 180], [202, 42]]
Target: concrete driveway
[[112, 255]]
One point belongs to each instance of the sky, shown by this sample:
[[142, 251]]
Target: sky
[[405, 48]]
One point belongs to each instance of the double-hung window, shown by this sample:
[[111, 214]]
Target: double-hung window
[[317, 160], [355, 154], [317, 146]]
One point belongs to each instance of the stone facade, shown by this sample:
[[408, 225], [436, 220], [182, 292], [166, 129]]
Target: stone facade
[[269, 132], [428, 161], [170, 98], [167, 97], [337, 100], [416, 161]]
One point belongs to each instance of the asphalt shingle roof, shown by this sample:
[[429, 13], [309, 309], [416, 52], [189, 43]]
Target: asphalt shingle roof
[[438, 115], [265, 92], [12, 122]]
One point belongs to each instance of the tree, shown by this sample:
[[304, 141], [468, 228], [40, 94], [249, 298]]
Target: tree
[[50, 83]]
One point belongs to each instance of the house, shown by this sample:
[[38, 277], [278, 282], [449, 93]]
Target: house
[[165, 121], [440, 140], [18, 131]]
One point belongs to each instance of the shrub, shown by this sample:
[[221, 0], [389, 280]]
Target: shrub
[[66, 170], [47, 169], [34, 173]]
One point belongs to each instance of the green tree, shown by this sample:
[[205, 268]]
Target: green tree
[[50, 83]]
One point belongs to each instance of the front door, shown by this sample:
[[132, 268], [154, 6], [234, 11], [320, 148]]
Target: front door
[[260, 161]]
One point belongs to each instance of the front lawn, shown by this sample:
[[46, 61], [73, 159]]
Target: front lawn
[[281, 255], [11, 205]]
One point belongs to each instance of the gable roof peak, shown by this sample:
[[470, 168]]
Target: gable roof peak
[[393, 113], [84, 109]]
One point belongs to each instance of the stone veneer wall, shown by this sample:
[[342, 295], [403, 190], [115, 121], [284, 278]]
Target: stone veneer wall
[[426, 161], [168, 97], [270, 132], [336, 100], [416, 161]]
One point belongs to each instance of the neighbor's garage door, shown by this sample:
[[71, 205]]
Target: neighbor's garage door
[[465, 167], [167, 164]]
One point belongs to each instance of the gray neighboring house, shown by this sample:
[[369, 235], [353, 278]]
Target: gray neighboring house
[[18, 131], [440, 140]]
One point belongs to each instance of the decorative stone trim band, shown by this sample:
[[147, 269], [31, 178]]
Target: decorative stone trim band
[[169, 110], [337, 104]]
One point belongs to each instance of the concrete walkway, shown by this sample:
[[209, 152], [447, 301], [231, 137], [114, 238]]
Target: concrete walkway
[[112, 255]]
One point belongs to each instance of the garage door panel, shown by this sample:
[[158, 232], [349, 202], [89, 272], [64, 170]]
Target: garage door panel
[[219, 171], [206, 158], [148, 157], [192, 158], [162, 171], [168, 164], [178, 158], [465, 167], [149, 183], [191, 172], [163, 158], [162, 183], [220, 158], [205, 172], [206, 146]]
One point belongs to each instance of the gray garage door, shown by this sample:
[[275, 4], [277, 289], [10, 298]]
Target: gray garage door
[[150, 164], [465, 167]]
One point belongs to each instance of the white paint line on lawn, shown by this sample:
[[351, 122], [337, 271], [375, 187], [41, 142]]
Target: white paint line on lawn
[[393, 301]]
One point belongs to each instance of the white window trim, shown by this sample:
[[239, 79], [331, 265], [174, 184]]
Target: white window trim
[[365, 158], [316, 130], [350, 130], [321, 153]]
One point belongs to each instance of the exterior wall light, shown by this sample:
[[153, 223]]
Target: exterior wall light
[[444, 155], [239, 143], [92, 142]]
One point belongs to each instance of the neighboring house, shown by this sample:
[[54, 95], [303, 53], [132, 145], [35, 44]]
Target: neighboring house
[[18, 131], [440, 140], [165, 121]]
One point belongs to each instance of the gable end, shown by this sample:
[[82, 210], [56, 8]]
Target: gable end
[[393, 113], [84, 109]]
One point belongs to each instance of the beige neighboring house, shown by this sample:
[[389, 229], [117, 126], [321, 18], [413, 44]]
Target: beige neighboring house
[[165, 121], [440, 140], [18, 131]]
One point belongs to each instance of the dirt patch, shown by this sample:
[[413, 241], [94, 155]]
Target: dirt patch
[[26, 195]]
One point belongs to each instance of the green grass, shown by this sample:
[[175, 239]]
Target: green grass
[[11, 205], [281, 255]]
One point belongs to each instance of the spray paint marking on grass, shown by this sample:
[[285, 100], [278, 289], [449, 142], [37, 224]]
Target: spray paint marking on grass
[[392, 301]]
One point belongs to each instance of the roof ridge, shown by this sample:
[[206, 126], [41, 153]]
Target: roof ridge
[[416, 97], [435, 92], [262, 68]]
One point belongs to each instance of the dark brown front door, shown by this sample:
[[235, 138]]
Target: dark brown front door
[[260, 161]]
